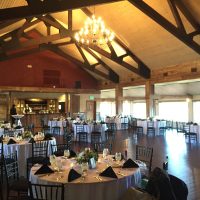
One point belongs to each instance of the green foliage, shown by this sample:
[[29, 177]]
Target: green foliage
[[86, 155]]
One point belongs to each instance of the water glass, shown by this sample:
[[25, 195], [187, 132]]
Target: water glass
[[66, 153], [105, 153]]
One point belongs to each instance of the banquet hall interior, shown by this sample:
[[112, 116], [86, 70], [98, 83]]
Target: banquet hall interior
[[100, 99]]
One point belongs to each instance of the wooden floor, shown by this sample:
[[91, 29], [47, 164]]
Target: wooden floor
[[184, 157]]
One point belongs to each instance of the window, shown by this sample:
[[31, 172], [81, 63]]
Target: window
[[176, 111], [196, 111], [137, 110], [107, 109]]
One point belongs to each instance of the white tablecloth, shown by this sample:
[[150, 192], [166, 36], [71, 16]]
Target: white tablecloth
[[118, 121], [157, 125], [195, 129], [60, 124], [24, 151], [89, 128], [91, 188]]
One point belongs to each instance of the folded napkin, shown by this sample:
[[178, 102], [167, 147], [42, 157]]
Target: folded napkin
[[44, 170], [73, 175], [108, 172], [84, 123], [72, 154], [48, 136], [18, 127], [11, 141], [130, 164], [31, 140]]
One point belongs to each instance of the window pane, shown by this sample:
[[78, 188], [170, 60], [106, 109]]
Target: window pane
[[196, 111], [139, 110], [107, 109], [177, 111]]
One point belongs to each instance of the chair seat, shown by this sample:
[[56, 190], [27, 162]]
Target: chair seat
[[39, 160], [191, 133], [19, 185]]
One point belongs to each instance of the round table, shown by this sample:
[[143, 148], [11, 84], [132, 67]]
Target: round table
[[91, 187], [24, 151]]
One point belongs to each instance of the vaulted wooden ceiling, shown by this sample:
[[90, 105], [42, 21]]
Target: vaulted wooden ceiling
[[150, 34]]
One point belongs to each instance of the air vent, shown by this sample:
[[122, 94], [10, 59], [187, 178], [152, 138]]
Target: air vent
[[51, 77], [193, 69]]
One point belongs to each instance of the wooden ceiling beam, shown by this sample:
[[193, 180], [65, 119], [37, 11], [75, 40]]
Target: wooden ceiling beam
[[187, 14], [82, 54], [158, 18], [8, 23], [70, 19], [58, 51], [176, 15], [37, 7], [141, 70], [112, 74], [11, 45]]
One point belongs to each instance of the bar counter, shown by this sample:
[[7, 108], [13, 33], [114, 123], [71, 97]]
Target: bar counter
[[38, 119]]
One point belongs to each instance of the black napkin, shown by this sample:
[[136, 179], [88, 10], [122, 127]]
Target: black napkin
[[11, 141], [108, 172], [72, 154], [84, 123], [48, 136], [130, 164], [18, 127], [73, 175], [44, 170], [31, 140]]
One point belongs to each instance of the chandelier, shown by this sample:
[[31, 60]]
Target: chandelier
[[94, 32]]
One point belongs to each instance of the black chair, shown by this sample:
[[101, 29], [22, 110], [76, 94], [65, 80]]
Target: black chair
[[179, 187], [150, 128], [81, 134], [96, 133], [139, 130], [112, 126], [39, 154], [124, 123], [145, 154], [56, 130], [9, 132], [46, 129], [162, 130], [67, 138], [100, 146], [58, 149], [31, 128], [13, 182], [188, 134], [169, 125], [46, 192], [180, 127]]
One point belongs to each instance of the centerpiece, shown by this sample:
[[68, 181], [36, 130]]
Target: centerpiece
[[86, 155], [27, 134]]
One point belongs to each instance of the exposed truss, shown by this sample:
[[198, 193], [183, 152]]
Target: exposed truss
[[178, 31], [45, 42], [39, 7]]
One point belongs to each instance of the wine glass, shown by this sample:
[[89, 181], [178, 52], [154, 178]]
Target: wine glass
[[118, 157], [66, 153]]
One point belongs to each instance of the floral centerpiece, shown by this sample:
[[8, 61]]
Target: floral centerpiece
[[86, 155], [27, 134]]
